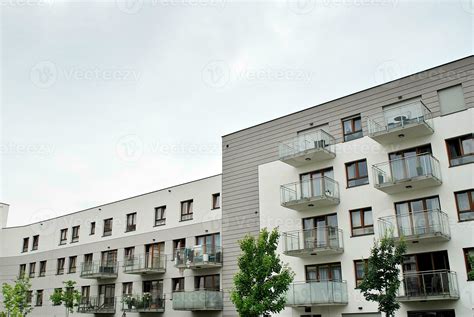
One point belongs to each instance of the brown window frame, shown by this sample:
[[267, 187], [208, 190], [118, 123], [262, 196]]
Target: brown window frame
[[63, 236], [131, 222], [362, 221], [160, 216], [26, 245], [459, 140], [32, 270], [471, 203], [469, 268], [216, 201], [39, 298], [127, 288], [177, 281], [329, 265], [22, 271], [92, 230], [352, 120], [75, 234], [42, 270], [72, 269], [357, 173], [35, 245], [175, 246], [187, 210], [213, 277], [61, 262], [108, 228], [359, 279]]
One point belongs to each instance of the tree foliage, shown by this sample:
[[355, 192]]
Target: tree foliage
[[69, 297], [15, 297], [470, 274], [262, 280], [381, 280]]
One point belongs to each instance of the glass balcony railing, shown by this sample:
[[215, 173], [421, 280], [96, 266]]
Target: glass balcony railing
[[320, 240], [200, 256], [307, 147], [407, 120], [144, 264], [144, 303], [99, 270], [97, 305], [429, 285], [414, 171], [314, 293], [426, 224], [198, 300], [315, 192]]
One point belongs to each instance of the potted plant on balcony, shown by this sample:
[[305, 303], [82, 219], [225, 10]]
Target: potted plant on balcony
[[146, 300], [128, 301]]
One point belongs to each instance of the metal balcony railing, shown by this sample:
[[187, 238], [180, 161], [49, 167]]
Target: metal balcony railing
[[144, 303], [99, 269], [397, 118], [200, 256], [97, 305], [145, 263], [313, 241], [405, 169], [416, 225], [318, 188], [314, 293], [429, 285], [317, 140], [198, 300]]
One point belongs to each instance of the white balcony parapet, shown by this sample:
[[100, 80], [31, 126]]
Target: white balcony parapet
[[414, 172], [316, 293], [145, 264], [198, 300], [427, 225], [405, 121], [310, 147], [428, 286], [312, 242], [312, 193], [99, 270]]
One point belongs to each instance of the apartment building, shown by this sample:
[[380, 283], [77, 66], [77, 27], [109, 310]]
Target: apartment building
[[394, 158], [159, 252]]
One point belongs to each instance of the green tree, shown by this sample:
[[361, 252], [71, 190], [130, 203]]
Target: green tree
[[381, 281], [470, 274], [262, 280], [69, 297], [15, 297]]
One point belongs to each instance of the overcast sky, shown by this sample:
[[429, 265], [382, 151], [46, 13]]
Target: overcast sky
[[105, 100]]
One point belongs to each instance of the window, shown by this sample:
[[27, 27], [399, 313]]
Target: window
[[92, 232], [127, 289], [29, 297], [207, 282], [42, 271], [177, 284], [22, 272], [39, 298], [88, 258], [32, 269], [63, 237], [177, 245], [210, 244], [324, 272], [129, 255], [108, 227], [131, 222], [57, 290], [469, 259], [75, 234], [361, 222], [216, 201], [60, 268], [432, 313], [72, 264], [26, 242], [356, 173], [35, 243], [85, 293], [465, 204], [461, 150], [160, 216], [187, 210], [352, 128], [360, 266], [451, 100]]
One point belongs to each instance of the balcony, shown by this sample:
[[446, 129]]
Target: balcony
[[198, 300], [408, 173], [145, 303], [199, 257], [145, 265], [99, 270], [312, 242], [309, 194], [324, 293], [307, 148], [97, 305], [429, 286], [407, 121], [428, 225]]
